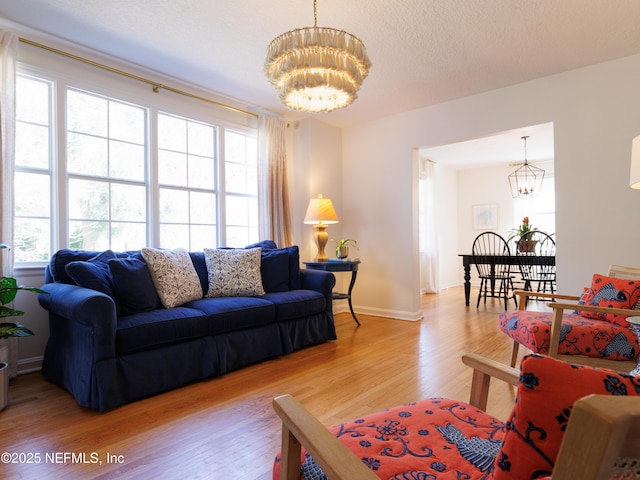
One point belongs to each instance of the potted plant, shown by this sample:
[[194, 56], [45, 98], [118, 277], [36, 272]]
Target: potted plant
[[525, 233], [8, 290], [342, 247]]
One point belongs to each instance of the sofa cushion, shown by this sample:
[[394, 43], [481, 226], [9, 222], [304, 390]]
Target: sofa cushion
[[578, 335], [174, 275], [613, 293], [274, 268], [547, 390], [225, 314], [93, 273], [234, 272], [296, 303], [147, 330], [133, 285]]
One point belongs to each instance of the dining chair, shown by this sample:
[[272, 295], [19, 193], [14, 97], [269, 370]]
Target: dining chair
[[490, 274], [542, 275]]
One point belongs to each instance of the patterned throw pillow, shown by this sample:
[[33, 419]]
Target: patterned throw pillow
[[173, 275], [546, 393], [612, 293], [234, 272]]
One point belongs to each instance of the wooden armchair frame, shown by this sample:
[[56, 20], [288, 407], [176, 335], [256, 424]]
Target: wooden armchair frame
[[601, 429]]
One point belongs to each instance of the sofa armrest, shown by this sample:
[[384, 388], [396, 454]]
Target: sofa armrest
[[301, 429], [320, 281], [86, 309]]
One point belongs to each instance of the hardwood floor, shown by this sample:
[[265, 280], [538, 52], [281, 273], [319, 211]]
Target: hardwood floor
[[225, 428]]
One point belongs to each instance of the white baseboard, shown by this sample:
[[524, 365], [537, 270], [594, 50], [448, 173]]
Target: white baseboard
[[30, 365], [379, 312]]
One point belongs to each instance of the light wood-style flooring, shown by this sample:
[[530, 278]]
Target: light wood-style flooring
[[225, 428]]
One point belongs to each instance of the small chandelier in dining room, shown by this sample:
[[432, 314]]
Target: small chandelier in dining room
[[527, 179], [316, 69]]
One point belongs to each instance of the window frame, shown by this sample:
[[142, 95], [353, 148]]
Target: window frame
[[63, 74]]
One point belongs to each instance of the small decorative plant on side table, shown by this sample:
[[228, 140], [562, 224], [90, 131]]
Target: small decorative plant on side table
[[342, 247], [8, 290], [525, 234]]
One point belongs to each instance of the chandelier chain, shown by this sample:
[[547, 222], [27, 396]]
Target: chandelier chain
[[315, 13]]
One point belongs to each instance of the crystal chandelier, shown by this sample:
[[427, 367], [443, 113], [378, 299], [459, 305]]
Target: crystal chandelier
[[527, 179], [316, 69]]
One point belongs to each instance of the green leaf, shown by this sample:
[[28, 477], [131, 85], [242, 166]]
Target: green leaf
[[8, 289], [14, 330]]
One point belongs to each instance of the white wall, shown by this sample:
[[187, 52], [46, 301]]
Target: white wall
[[596, 113]]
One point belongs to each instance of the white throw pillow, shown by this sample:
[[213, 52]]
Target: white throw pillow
[[234, 272], [174, 275]]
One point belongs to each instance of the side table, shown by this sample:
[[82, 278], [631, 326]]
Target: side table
[[338, 265]]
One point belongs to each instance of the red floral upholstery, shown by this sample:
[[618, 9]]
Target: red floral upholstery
[[579, 335], [546, 393], [436, 438], [612, 293], [447, 439]]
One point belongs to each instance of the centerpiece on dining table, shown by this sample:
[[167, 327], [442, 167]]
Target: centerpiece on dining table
[[525, 234]]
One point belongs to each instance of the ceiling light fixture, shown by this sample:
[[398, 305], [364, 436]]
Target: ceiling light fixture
[[527, 179], [316, 69]]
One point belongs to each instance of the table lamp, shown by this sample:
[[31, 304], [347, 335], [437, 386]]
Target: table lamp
[[320, 213]]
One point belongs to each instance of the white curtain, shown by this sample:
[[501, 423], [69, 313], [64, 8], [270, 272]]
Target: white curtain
[[428, 235], [8, 53], [275, 213]]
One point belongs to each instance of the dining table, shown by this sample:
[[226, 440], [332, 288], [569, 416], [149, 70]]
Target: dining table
[[469, 259]]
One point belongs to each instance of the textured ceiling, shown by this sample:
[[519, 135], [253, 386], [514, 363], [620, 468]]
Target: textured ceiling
[[423, 51]]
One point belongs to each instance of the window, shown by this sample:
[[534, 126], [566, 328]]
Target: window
[[33, 170], [128, 175], [187, 178], [106, 164], [241, 181]]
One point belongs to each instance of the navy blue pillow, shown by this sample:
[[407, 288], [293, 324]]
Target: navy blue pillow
[[133, 285], [294, 267], [263, 244], [274, 268], [93, 274]]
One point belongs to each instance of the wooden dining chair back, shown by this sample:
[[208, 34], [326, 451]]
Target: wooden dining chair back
[[493, 275], [543, 276]]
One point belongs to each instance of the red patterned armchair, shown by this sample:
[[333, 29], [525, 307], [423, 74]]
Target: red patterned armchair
[[552, 428], [592, 329]]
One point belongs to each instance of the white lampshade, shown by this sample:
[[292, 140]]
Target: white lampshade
[[320, 210], [634, 178]]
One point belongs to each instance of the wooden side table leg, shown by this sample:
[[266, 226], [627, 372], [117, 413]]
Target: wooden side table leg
[[351, 284]]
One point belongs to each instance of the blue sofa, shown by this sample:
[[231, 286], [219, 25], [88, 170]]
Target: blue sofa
[[111, 341]]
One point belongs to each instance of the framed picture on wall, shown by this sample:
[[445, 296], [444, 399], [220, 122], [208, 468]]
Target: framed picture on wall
[[485, 217]]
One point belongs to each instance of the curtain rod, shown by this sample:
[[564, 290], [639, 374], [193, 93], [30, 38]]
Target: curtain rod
[[155, 85]]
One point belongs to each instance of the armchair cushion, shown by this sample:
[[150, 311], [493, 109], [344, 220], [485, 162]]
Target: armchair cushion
[[547, 390], [435, 438], [578, 335], [613, 293]]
